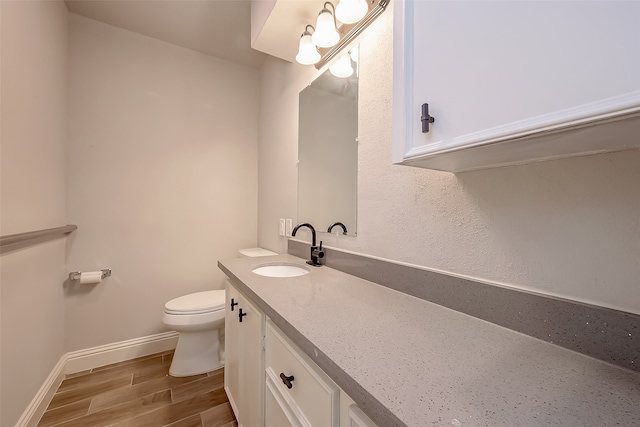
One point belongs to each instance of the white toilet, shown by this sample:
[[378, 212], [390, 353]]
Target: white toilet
[[199, 318]]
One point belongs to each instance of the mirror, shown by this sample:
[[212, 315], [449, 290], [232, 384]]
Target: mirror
[[328, 150]]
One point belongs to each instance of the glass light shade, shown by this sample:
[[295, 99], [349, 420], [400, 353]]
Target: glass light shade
[[307, 52], [326, 34], [355, 53], [351, 11], [342, 67]]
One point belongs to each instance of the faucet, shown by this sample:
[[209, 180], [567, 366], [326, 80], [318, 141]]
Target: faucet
[[316, 252], [337, 224]]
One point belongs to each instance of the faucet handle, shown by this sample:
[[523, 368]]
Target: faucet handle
[[320, 251]]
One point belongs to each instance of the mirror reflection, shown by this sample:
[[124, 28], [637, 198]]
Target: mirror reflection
[[328, 149]]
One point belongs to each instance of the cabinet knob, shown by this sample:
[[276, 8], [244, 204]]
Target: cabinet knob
[[233, 304], [286, 380], [426, 118], [241, 315]]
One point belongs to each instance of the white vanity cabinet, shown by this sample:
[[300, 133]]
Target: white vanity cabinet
[[262, 362], [512, 82], [244, 369]]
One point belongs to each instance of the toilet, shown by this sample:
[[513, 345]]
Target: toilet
[[199, 320]]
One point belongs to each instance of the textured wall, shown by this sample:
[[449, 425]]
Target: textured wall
[[568, 227], [34, 117], [162, 176]]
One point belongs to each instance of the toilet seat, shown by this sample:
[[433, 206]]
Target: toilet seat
[[196, 303]]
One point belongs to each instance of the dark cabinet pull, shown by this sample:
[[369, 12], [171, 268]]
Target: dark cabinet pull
[[233, 304], [286, 380], [241, 315], [426, 118]]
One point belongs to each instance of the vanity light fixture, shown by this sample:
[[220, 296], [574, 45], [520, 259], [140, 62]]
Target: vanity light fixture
[[307, 52], [351, 11], [326, 33], [331, 39], [342, 67]]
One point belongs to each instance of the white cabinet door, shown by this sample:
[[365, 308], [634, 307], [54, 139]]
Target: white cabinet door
[[496, 71], [232, 350], [244, 369], [359, 418]]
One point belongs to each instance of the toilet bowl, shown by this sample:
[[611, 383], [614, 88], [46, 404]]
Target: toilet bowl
[[199, 320]]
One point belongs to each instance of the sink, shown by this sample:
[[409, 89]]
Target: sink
[[281, 270]]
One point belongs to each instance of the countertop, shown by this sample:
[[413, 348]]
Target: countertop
[[406, 361]]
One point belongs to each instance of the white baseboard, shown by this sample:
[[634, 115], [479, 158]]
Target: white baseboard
[[38, 405], [82, 360]]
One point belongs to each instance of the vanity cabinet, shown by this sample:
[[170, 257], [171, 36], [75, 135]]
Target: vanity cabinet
[[513, 82], [261, 364], [244, 369]]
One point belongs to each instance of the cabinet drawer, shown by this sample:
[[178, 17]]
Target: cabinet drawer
[[313, 398], [277, 413]]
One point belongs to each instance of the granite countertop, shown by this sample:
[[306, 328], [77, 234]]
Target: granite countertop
[[406, 361]]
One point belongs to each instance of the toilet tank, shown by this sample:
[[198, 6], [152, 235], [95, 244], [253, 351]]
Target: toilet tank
[[255, 252]]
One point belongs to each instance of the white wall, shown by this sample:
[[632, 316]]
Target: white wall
[[33, 137], [568, 227], [162, 176]]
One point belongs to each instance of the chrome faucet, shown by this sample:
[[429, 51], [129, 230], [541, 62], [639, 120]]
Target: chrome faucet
[[316, 251], [337, 224]]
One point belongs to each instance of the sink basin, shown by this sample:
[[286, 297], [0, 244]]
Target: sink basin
[[281, 270]]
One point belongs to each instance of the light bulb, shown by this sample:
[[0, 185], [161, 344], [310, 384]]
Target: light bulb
[[307, 52], [351, 11], [342, 67], [326, 34]]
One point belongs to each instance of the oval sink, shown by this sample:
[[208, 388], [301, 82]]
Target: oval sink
[[281, 270]]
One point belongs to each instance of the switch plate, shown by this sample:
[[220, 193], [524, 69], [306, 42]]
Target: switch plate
[[281, 227], [288, 228]]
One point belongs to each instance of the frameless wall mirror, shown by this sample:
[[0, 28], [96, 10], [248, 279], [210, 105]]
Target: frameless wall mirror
[[328, 147]]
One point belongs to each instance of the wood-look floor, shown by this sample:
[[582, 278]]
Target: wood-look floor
[[138, 393]]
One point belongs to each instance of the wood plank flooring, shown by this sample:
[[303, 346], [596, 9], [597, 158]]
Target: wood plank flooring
[[138, 393]]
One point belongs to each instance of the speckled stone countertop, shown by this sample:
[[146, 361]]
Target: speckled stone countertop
[[406, 361]]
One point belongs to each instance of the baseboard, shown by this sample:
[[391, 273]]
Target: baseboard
[[82, 360], [38, 405]]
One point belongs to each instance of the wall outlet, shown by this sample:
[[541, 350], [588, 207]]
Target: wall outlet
[[288, 228], [281, 227]]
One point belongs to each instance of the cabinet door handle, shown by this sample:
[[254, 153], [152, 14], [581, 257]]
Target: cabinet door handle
[[233, 304], [286, 380], [426, 118], [241, 315]]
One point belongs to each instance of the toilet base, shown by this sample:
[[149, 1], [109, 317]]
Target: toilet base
[[198, 353]]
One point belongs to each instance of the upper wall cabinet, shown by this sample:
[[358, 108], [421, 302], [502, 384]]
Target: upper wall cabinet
[[511, 82]]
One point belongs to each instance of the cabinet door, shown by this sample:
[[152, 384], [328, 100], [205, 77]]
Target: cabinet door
[[493, 70], [232, 351], [359, 418], [251, 358], [244, 369]]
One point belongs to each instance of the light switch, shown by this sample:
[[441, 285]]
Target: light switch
[[288, 228], [281, 227]]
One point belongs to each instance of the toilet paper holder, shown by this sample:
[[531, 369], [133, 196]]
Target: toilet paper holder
[[75, 275]]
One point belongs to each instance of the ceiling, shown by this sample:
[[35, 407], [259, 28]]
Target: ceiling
[[220, 28]]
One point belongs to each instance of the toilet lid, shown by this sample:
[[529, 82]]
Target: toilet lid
[[197, 303]]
